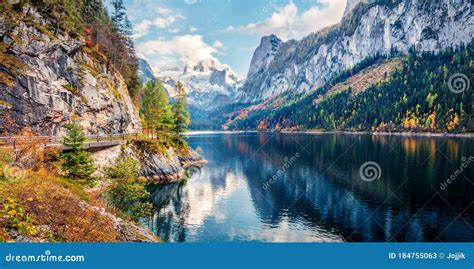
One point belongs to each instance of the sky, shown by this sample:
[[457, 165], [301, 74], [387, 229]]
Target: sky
[[171, 33]]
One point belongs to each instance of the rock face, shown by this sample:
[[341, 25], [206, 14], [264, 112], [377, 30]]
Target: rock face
[[370, 28], [205, 82], [159, 166], [166, 167], [264, 55], [351, 4], [60, 80]]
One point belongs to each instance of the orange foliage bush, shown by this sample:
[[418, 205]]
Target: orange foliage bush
[[55, 209]]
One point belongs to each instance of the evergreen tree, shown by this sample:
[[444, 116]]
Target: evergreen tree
[[124, 56], [77, 163], [180, 113], [92, 11], [156, 108], [119, 15]]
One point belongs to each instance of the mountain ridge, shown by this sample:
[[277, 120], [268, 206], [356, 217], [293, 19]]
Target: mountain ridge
[[204, 81], [369, 28]]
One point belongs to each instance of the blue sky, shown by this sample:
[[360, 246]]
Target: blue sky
[[170, 33]]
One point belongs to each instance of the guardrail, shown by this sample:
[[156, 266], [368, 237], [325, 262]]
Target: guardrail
[[58, 140]]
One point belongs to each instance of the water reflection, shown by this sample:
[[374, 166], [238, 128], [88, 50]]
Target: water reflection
[[320, 197]]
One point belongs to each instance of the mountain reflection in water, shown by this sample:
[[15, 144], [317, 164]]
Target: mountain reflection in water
[[319, 197]]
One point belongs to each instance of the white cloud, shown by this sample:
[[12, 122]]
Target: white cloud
[[174, 30], [192, 29], [167, 21], [143, 28], [288, 23], [217, 44], [163, 10], [175, 52]]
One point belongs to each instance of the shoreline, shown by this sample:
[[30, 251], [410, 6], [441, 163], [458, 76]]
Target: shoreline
[[204, 132], [315, 132], [404, 134]]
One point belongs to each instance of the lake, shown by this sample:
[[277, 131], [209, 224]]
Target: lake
[[274, 187]]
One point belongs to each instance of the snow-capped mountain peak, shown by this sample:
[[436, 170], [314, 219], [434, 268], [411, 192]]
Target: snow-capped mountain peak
[[204, 81]]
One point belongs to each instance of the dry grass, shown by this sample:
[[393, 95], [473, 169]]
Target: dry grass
[[37, 204], [10, 63], [361, 81], [52, 211]]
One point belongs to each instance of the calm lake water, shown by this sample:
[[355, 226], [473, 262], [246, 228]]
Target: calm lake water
[[304, 187]]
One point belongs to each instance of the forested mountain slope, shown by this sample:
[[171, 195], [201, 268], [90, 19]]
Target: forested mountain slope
[[428, 92], [370, 28]]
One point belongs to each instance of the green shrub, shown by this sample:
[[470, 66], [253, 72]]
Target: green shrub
[[78, 164], [128, 191], [150, 146], [15, 218]]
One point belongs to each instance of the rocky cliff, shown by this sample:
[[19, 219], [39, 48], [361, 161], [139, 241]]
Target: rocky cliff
[[157, 164], [46, 78], [264, 55], [351, 4], [162, 166], [368, 28]]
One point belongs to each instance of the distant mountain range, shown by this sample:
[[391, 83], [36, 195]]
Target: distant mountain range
[[144, 70], [285, 70], [205, 82]]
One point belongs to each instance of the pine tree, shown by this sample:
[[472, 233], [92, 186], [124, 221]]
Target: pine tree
[[92, 11], [180, 113], [119, 15], [156, 109], [78, 164], [124, 56]]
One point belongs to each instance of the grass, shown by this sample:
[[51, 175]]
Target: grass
[[73, 89], [45, 30], [44, 207], [6, 80], [117, 94], [37, 204], [149, 146], [76, 91], [10, 63]]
